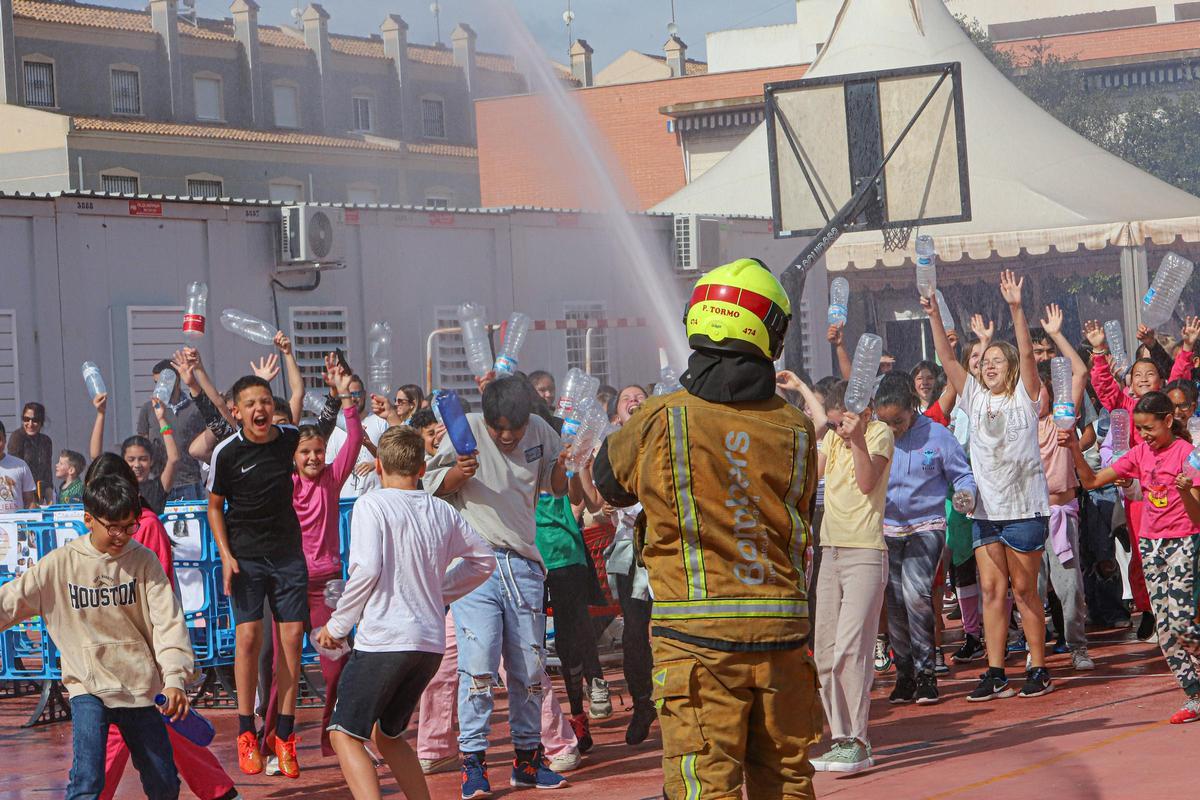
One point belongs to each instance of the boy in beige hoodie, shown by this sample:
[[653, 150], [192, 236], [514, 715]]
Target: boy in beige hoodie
[[118, 626]]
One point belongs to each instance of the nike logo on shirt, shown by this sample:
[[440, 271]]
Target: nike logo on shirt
[[247, 469]]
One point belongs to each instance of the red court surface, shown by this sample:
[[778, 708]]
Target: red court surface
[[1099, 735]]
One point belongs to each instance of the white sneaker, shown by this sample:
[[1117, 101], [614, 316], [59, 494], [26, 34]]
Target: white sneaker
[[434, 766], [566, 761], [599, 701], [272, 765], [1081, 661]]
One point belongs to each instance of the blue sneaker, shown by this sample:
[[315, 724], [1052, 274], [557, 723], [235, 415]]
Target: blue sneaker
[[474, 778], [1017, 646], [535, 772]]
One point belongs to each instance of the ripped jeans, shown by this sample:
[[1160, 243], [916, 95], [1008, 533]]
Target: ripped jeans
[[502, 618]]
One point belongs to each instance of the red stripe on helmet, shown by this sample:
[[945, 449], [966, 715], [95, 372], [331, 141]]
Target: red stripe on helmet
[[753, 302]]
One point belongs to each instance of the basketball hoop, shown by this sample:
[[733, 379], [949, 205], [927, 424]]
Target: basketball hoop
[[895, 236]]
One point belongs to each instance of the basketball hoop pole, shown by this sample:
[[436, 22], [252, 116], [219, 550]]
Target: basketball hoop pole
[[794, 275]]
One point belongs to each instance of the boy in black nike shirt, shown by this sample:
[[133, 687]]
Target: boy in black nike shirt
[[258, 536]]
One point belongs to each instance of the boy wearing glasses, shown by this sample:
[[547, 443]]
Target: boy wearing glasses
[[114, 616]]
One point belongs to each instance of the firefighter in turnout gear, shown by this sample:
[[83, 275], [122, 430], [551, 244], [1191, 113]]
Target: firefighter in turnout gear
[[725, 471]]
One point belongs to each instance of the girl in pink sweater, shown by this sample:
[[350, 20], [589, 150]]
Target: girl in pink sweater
[[315, 490]]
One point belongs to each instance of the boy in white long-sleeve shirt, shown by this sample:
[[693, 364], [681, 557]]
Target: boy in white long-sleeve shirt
[[402, 543]]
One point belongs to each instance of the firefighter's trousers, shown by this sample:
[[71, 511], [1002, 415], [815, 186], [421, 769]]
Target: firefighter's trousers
[[734, 720]]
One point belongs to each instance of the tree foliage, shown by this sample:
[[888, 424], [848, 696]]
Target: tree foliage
[[1155, 132]]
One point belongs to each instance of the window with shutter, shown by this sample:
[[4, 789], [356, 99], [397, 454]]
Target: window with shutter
[[207, 93], [286, 104], [433, 116], [317, 330], [450, 369], [10, 389], [155, 333]]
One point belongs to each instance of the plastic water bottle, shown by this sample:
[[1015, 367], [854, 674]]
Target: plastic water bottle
[[196, 310], [449, 412], [332, 655], [475, 339], [247, 326], [1193, 426], [1193, 460], [944, 309], [510, 351], [668, 382], [577, 390], [193, 727], [1064, 404], [839, 301], [333, 592], [926, 268], [165, 386], [93, 379], [1118, 430], [379, 359], [1158, 305], [963, 501], [861, 386], [314, 402], [591, 432], [1116, 346]]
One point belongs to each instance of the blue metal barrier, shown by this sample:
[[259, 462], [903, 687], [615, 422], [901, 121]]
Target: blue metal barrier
[[26, 651]]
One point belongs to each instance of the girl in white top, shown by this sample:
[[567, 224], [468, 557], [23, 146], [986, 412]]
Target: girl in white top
[[1012, 511]]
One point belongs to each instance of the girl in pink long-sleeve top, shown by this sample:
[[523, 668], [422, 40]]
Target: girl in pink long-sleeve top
[[315, 490]]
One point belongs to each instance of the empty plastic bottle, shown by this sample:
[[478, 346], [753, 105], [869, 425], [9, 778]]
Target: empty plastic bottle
[[475, 338], [449, 411], [93, 379], [248, 326], [510, 351], [861, 386], [333, 592], [944, 309], [165, 386], [591, 432], [839, 301], [332, 655], [1116, 346], [379, 359], [577, 389], [193, 727], [196, 310], [963, 501], [668, 382], [926, 266], [1118, 431], [1064, 403], [314, 402], [1160, 300]]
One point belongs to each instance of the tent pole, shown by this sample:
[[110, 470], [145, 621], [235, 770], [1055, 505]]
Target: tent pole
[[1134, 283]]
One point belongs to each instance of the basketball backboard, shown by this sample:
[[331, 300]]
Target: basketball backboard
[[900, 129]]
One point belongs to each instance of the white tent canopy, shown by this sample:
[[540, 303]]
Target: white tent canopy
[[1035, 183]]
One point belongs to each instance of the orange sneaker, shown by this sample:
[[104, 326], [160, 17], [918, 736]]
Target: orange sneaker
[[249, 759], [285, 751]]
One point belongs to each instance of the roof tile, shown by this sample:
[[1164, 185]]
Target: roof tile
[[1162, 38]]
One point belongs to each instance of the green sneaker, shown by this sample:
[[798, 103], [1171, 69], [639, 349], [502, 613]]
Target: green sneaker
[[821, 763], [852, 756]]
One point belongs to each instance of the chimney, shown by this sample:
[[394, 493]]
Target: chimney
[[316, 36], [164, 18], [245, 30], [676, 52], [581, 62], [395, 47], [463, 39]]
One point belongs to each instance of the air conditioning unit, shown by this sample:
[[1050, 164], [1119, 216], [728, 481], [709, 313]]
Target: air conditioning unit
[[312, 235], [697, 243]]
